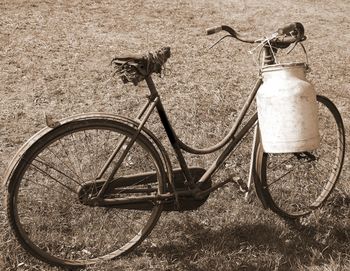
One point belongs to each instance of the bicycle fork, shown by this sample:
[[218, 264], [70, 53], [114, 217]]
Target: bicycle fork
[[253, 171]]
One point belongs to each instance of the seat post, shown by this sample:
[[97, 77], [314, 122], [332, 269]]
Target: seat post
[[151, 87]]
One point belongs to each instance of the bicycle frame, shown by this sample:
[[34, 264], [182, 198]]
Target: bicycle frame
[[231, 141], [228, 144]]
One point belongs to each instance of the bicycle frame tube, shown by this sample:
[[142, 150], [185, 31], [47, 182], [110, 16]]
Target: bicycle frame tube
[[233, 130], [232, 139], [122, 141], [145, 113], [226, 153], [170, 133]]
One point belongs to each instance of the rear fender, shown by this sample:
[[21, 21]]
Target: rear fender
[[146, 132]]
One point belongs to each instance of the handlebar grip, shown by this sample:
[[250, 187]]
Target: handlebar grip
[[286, 30], [213, 30]]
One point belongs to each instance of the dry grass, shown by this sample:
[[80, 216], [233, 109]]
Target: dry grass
[[55, 58]]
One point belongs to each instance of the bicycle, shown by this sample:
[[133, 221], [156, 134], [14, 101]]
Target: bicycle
[[102, 180]]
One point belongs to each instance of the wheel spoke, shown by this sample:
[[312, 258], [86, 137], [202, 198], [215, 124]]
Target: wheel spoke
[[65, 164], [73, 140], [41, 161], [53, 178], [284, 175], [87, 145]]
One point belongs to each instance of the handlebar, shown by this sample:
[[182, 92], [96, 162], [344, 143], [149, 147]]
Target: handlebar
[[282, 38], [231, 31]]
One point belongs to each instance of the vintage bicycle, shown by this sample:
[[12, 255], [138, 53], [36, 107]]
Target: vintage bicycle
[[91, 187]]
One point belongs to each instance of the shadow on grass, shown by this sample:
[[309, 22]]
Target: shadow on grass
[[256, 247], [259, 245]]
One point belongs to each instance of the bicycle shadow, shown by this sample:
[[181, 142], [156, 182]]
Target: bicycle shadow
[[262, 246]]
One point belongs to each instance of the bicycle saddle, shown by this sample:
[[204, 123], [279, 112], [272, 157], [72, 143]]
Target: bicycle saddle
[[134, 68], [128, 58]]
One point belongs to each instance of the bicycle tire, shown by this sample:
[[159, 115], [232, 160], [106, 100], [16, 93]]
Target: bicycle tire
[[50, 221], [293, 185]]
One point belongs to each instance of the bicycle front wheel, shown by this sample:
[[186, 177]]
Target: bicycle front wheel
[[44, 202], [294, 184]]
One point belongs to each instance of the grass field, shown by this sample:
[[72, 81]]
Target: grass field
[[55, 58]]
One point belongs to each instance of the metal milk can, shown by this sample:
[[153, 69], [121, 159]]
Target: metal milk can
[[287, 110]]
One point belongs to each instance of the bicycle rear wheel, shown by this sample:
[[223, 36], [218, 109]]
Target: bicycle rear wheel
[[294, 184], [44, 203]]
